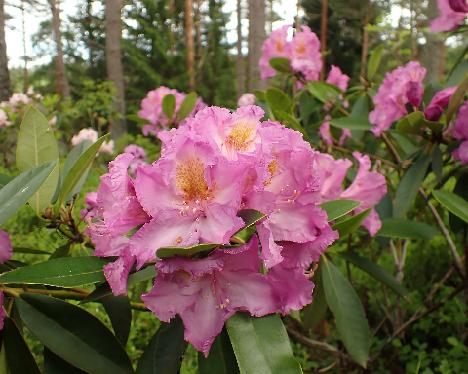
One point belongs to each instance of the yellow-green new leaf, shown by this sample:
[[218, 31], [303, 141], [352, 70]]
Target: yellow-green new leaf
[[36, 146]]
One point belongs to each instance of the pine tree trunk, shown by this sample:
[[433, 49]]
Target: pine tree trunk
[[240, 57], [257, 36], [5, 88], [433, 53], [114, 62], [324, 35], [190, 51], [61, 80]]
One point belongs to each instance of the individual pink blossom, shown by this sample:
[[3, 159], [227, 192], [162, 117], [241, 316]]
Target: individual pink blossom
[[460, 128], [401, 87], [107, 147], [246, 99], [4, 119], [206, 292], [337, 78], [18, 99], [461, 153], [438, 104], [305, 54], [85, 134], [276, 45], [452, 14], [135, 150], [6, 249], [327, 137]]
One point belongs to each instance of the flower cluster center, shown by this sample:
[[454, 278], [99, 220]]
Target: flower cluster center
[[190, 179], [240, 136]]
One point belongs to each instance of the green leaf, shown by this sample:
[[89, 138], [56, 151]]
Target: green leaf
[[280, 64], [36, 146], [168, 105], [250, 217], [30, 251], [376, 271], [20, 189], [261, 345], [277, 100], [167, 252], [71, 160], [437, 163], [53, 364], [454, 203], [260, 95], [60, 272], [18, 356], [351, 224], [400, 228], [164, 353], [79, 169], [351, 321], [221, 359], [322, 91], [457, 98], [409, 186], [352, 123], [73, 334], [289, 121], [120, 314], [4, 180], [315, 313], [187, 106], [411, 123], [374, 61], [339, 208]]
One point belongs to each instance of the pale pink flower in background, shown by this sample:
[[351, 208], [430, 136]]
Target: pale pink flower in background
[[452, 14], [85, 134], [401, 87], [276, 45], [53, 121], [305, 54], [107, 147], [246, 99], [338, 78], [4, 119], [18, 99], [139, 155]]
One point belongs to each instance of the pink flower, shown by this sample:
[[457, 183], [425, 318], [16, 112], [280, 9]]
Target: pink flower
[[6, 249], [460, 128], [3, 314], [305, 54], [276, 45], [438, 104], [400, 87], [206, 292], [135, 150], [325, 133], [4, 119], [85, 134], [18, 99], [107, 147], [461, 153], [337, 78], [246, 99], [452, 13]]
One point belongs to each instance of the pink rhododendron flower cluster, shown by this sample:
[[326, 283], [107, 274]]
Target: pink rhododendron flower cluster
[[217, 164], [303, 52], [460, 132], [6, 250], [452, 14], [438, 104], [152, 110], [401, 87], [91, 135], [340, 80], [246, 99], [139, 155]]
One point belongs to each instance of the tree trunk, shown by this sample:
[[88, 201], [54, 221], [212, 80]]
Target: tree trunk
[[190, 51], [365, 42], [61, 80], [323, 36], [240, 57], [5, 88], [433, 53], [113, 25], [256, 38], [25, 54]]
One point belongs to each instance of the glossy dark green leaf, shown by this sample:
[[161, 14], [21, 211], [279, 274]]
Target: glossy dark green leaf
[[221, 359], [351, 123], [411, 123], [250, 217], [409, 186], [315, 312], [164, 353], [280, 64], [20, 189], [457, 98], [376, 271], [322, 91], [457, 224], [399, 228], [187, 106], [454, 203], [36, 145], [60, 272], [168, 105], [351, 224], [73, 334], [261, 345], [4, 180], [18, 356], [53, 364], [374, 61], [120, 314], [167, 252], [351, 321], [30, 251], [437, 164], [62, 251], [81, 167], [289, 121], [339, 208], [260, 95], [277, 100]]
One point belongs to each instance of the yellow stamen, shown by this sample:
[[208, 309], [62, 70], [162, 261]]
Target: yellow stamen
[[190, 179], [240, 136]]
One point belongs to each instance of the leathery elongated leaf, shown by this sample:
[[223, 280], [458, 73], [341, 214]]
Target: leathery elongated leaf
[[339, 208], [400, 228], [60, 272], [20, 189], [73, 334], [454, 203], [351, 321], [221, 359], [261, 345], [36, 146]]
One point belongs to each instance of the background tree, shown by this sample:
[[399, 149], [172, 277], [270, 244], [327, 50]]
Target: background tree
[[257, 35], [5, 89]]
